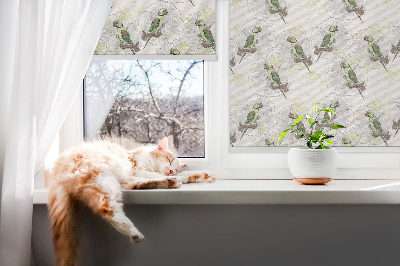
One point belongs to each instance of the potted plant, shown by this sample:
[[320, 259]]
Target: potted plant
[[315, 164]]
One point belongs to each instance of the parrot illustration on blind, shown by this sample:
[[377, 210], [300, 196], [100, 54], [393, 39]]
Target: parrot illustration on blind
[[352, 6], [174, 51], [300, 128], [299, 53], [156, 25], [376, 127], [351, 77], [275, 7], [327, 41], [124, 37], [250, 44], [347, 142], [275, 79], [205, 33], [251, 118], [375, 51]]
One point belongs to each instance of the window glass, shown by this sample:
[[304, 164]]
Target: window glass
[[140, 102]]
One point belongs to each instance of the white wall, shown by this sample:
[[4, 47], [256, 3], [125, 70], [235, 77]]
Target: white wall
[[192, 235]]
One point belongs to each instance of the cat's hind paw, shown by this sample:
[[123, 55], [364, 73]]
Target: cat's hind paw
[[174, 182]]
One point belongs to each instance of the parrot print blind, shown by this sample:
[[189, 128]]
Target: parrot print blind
[[287, 55], [182, 29]]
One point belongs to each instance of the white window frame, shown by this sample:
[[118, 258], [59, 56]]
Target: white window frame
[[246, 163]]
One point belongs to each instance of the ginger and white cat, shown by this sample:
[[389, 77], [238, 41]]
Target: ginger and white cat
[[94, 174]]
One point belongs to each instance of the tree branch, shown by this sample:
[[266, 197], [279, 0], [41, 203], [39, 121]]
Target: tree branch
[[146, 72], [183, 81]]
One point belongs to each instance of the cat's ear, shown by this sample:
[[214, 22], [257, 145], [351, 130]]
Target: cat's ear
[[171, 146], [163, 145]]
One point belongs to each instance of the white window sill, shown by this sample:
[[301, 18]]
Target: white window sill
[[264, 192]]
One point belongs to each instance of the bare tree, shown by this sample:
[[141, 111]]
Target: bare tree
[[143, 112]]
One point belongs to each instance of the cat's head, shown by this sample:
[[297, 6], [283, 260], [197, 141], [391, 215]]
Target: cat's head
[[164, 160]]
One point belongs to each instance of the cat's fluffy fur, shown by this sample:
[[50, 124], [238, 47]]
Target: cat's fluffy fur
[[94, 174]]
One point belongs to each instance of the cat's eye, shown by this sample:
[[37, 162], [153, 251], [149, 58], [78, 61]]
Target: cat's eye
[[144, 101]]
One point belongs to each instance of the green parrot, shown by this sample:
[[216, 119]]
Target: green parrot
[[274, 76], [123, 34], [174, 51], [251, 40], [297, 50], [269, 143], [347, 142], [328, 38], [300, 129], [328, 117], [205, 33], [373, 48], [353, 4], [252, 116], [375, 125], [350, 75], [274, 4], [157, 23], [398, 45]]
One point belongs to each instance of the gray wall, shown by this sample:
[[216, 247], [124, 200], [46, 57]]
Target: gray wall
[[237, 235]]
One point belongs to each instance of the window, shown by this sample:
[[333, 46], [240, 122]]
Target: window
[[140, 102], [219, 156]]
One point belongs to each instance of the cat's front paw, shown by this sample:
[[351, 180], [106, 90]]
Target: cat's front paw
[[210, 177], [201, 177], [137, 237], [174, 182], [182, 167]]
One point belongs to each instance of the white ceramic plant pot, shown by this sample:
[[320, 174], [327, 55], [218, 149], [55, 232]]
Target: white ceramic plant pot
[[310, 166]]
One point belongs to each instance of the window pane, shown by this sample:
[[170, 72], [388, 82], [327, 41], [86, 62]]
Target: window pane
[[141, 102]]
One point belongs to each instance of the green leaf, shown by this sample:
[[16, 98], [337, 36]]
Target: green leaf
[[283, 134], [327, 137], [329, 141], [310, 121], [319, 134], [314, 137], [309, 144], [313, 123], [298, 120], [329, 111], [337, 126], [319, 147]]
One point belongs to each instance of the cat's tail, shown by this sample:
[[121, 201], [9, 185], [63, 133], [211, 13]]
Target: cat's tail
[[62, 212]]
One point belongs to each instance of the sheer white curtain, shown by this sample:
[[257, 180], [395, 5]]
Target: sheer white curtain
[[54, 40]]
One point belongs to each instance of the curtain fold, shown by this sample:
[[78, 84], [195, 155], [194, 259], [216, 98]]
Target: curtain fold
[[55, 42], [151, 29]]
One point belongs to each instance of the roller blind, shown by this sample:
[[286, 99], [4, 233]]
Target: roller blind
[[154, 29], [286, 56]]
